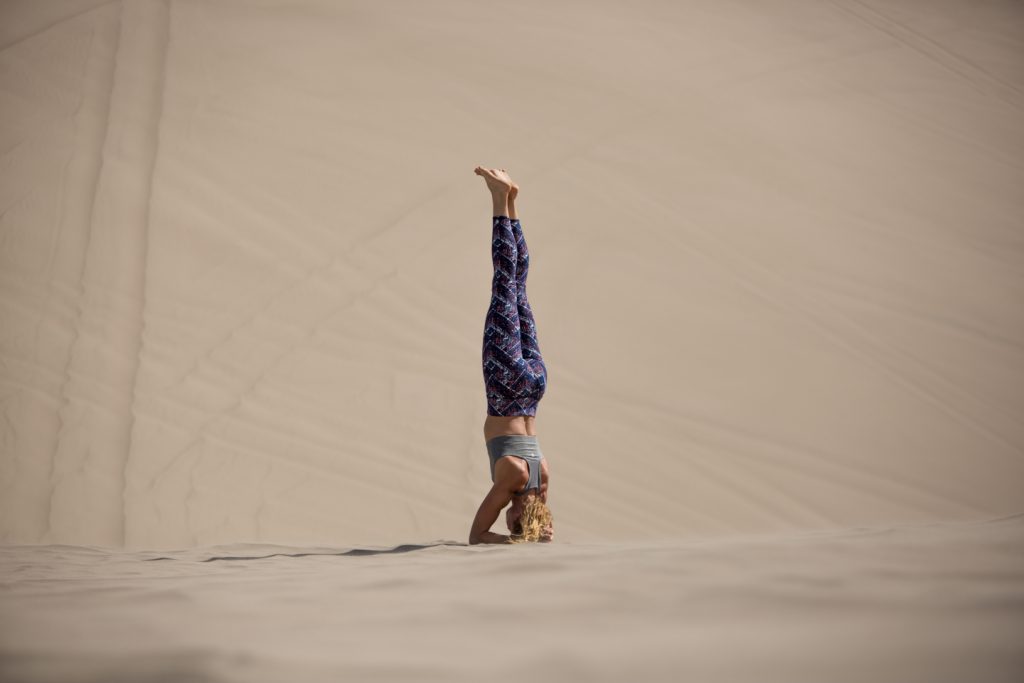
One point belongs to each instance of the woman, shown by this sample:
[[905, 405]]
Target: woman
[[515, 379]]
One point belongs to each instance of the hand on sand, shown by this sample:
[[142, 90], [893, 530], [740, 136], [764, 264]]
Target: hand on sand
[[497, 180]]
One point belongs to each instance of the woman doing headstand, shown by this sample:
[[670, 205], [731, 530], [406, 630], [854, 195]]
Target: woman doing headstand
[[515, 379]]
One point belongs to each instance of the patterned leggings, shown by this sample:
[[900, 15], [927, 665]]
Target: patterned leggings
[[514, 372]]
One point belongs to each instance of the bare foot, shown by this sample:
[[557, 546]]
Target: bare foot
[[496, 178]]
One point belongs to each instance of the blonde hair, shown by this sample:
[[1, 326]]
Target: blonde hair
[[535, 523]]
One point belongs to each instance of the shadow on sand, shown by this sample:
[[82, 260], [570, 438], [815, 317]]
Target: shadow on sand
[[355, 552]]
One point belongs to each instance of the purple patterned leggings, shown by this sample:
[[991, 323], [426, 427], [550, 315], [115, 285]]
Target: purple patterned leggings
[[514, 372]]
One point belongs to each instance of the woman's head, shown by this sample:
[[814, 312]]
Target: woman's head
[[529, 520]]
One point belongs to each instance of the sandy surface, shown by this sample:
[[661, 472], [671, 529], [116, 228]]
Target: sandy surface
[[927, 603], [777, 263]]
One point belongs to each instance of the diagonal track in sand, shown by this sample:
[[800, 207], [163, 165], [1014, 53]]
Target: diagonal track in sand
[[778, 291], [78, 204], [158, 32], [980, 79], [107, 350], [47, 23]]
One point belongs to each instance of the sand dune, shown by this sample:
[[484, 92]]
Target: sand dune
[[929, 602], [777, 265]]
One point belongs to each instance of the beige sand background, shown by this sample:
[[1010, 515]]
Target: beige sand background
[[777, 265]]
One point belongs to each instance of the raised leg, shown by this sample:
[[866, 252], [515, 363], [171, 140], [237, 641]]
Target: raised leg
[[527, 323], [502, 347], [514, 374]]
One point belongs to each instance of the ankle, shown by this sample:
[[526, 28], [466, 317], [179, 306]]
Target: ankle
[[500, 206]]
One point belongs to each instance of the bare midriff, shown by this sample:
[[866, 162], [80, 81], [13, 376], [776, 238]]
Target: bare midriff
[[520, 425]]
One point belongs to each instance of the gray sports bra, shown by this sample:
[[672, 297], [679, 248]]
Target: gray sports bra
[[524, 447]]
